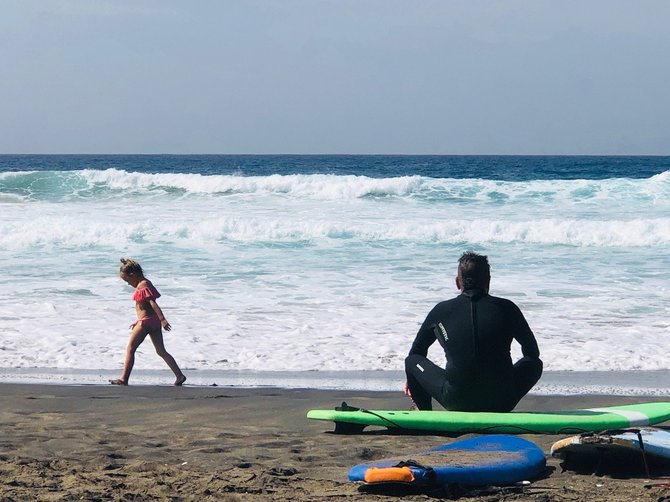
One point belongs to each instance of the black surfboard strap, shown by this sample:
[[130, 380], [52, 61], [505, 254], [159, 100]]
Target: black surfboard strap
[[345, 407]]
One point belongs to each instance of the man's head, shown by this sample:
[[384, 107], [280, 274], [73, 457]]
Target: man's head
[[474, 272]]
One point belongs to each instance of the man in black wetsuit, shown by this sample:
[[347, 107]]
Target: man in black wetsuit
[[476, 332]]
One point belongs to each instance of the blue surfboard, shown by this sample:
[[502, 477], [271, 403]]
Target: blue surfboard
[[478, 461]]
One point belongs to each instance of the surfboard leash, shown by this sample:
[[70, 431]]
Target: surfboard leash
[[345, 407], [638, 433], [644, 453]]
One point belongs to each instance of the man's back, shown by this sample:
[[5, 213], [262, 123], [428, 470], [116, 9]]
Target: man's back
[[476, 332]]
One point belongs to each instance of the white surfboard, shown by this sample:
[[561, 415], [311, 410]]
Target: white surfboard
[[621, 449]]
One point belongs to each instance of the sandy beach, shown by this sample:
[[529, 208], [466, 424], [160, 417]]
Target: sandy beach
[[217, 443]]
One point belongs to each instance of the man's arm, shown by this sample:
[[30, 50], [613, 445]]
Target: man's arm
[[424, 338], [524, 335]]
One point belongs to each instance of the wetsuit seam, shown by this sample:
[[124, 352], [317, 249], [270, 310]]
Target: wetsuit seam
[[475, 337]]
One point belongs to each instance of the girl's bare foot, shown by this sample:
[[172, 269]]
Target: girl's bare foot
[[180, 380], [118, 381]]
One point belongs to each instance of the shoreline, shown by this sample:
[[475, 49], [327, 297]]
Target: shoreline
[[234, 444], [552, 383]]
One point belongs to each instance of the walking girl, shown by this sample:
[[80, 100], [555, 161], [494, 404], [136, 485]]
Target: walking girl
[[150, 321]]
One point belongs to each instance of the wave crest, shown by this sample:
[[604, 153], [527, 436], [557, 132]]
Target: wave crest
[[115, 183]]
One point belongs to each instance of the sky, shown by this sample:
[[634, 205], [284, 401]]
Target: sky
[[532, 77]]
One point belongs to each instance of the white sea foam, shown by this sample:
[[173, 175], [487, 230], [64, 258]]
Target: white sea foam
[[322, 272], [54, 231]]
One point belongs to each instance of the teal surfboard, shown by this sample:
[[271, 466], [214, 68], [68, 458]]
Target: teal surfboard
[[352, 420], [477, 461]]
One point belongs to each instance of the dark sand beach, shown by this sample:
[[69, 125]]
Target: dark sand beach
[[218, 443]]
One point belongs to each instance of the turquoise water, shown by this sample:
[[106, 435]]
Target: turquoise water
[[328, 263]]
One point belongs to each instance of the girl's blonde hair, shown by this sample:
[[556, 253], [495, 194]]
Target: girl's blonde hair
[[130, 267]]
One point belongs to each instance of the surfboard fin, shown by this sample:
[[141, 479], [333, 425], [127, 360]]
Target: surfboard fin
[[347, 428]]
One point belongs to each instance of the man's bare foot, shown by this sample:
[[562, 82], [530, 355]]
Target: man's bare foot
[[180, 380], [118, 381]]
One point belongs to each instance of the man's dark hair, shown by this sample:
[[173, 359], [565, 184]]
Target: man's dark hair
[[474, 271]]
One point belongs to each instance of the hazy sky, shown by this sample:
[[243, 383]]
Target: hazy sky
[[340, 76]]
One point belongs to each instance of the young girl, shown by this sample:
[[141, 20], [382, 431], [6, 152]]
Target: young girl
[[150, 320]]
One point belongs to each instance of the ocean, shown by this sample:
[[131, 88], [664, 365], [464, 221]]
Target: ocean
[[318, 270]]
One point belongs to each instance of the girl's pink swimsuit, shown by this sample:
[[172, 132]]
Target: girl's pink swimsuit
[[151, 322]]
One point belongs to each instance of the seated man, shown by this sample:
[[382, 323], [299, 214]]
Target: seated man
[[476, 331]]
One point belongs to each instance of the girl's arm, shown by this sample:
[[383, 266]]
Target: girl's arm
[[159, 313]]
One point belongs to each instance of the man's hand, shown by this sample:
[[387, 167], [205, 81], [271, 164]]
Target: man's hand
[[406, 390]]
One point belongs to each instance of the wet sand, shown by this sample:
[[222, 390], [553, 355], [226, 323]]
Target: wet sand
[[217, 443]]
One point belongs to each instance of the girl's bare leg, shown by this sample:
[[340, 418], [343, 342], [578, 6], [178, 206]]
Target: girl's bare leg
[[157, 339], [137, 336]]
